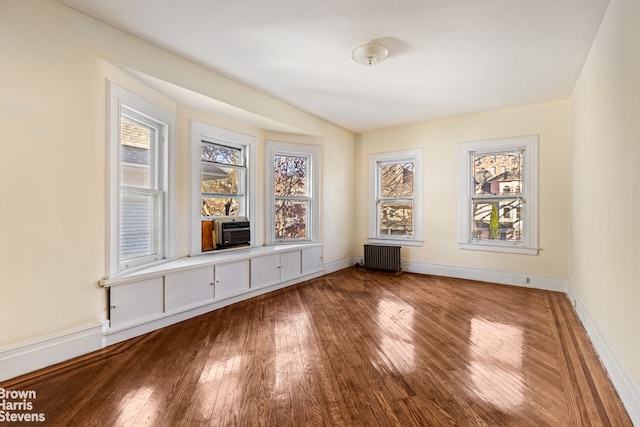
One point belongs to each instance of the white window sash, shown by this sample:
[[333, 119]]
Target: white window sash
[[156, 236], [375, 161], [528, 194], [312, 197], [203, 132], [121, 102]]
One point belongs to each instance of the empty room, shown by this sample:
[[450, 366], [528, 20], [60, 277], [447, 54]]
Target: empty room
[[234, 212]]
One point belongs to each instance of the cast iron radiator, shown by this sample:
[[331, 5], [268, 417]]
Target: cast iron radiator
[[382, 257]]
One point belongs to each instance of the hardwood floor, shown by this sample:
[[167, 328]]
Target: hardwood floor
[[353, 348]]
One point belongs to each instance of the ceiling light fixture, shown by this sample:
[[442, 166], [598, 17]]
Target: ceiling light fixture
[[370, 53]]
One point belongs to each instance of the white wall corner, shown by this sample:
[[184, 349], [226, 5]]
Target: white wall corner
[[39, 353], [628, 389]]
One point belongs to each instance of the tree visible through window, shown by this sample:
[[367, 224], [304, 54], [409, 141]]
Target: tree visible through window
[[223, 179], [498, 194], [395, 198], [292, 179], [291, 193], [222, 175], [495, 194]]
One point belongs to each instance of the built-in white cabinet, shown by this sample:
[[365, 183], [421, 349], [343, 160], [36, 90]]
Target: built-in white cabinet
[[188, 287], [274, 268], [265, 270], [311, 259], [134, 302], [231, 279], [290, 265], [166, 293]]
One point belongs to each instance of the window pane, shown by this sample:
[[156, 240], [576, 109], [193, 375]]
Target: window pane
[[138, 222], [222, 180], [135, 153], [291, 219], [396, 218], [396, 179], [219, 180], [221, 154], [497, 173], [290, 175], [497, 220], [220, 206]]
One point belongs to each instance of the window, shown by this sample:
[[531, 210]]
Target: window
[[292, 183], [223, 174], [395, 204], [141, 207], [487, 198], [222, 184]]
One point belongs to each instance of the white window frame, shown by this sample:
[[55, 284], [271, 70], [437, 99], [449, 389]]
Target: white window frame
[[209, 133], [120, 100], [414, 155], [529, 193], [312, 152]]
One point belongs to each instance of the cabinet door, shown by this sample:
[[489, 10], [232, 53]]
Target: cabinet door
[[265, 270], [311, 259], [231, 278], [188, 287], [290, 265], [132, 301]]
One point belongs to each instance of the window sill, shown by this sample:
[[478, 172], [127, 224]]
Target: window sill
[[399, 242], [206, 259], [499, 248]]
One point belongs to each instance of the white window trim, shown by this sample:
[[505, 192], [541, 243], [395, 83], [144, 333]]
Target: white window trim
[[117, 96], [529, 245], [415, 155], [202, 131], [313, 151]]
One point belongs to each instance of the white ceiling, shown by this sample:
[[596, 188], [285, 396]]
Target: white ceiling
[[447, 57]]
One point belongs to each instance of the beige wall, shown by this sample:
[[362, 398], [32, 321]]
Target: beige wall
[[440, 140], [52, 159], [52, 170], [605, 221]]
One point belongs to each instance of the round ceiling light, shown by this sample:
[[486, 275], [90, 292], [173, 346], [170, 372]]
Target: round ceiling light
[[370, 53]]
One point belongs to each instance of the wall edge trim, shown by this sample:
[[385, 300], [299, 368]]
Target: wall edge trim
[[29, 356], [628, 389]]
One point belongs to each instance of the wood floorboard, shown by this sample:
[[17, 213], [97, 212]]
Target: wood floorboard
[[352, 348]]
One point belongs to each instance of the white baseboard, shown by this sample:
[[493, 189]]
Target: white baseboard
[[341, 264], [36, 354], [628, 389], [526, 280]]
